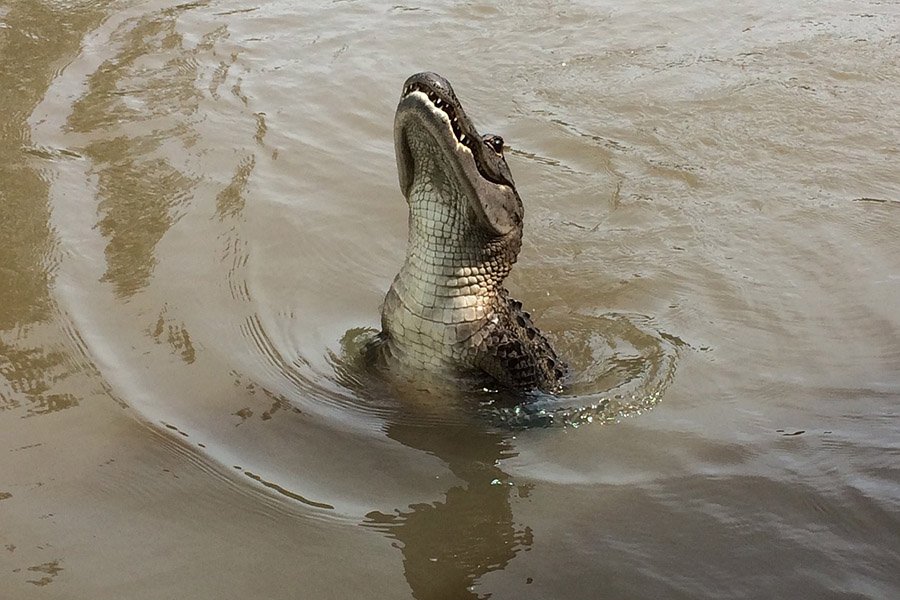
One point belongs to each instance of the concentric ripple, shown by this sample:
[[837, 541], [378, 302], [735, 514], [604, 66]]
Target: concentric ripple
[[619, 366]]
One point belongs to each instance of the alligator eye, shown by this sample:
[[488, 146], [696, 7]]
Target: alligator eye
[[496, 143]]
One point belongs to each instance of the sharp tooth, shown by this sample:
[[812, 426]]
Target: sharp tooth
[[462, 139], [438, 102]]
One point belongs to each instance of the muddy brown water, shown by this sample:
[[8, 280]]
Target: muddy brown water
[[199, 217]]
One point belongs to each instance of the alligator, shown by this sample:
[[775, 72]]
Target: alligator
[[447, 310]]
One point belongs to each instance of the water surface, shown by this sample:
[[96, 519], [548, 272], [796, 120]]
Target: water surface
[[199, 216]]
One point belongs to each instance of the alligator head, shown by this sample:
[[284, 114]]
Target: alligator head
[[431, 124], [447, 307]]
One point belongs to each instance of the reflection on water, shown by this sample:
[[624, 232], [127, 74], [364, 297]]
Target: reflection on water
[[230, 201], [29, 62], [176, 335], [449, 544], [33, 41], [137, 202], [29, 374], [140, 190]]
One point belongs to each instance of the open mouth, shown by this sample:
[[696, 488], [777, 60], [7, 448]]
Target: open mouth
[[444, 106]]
